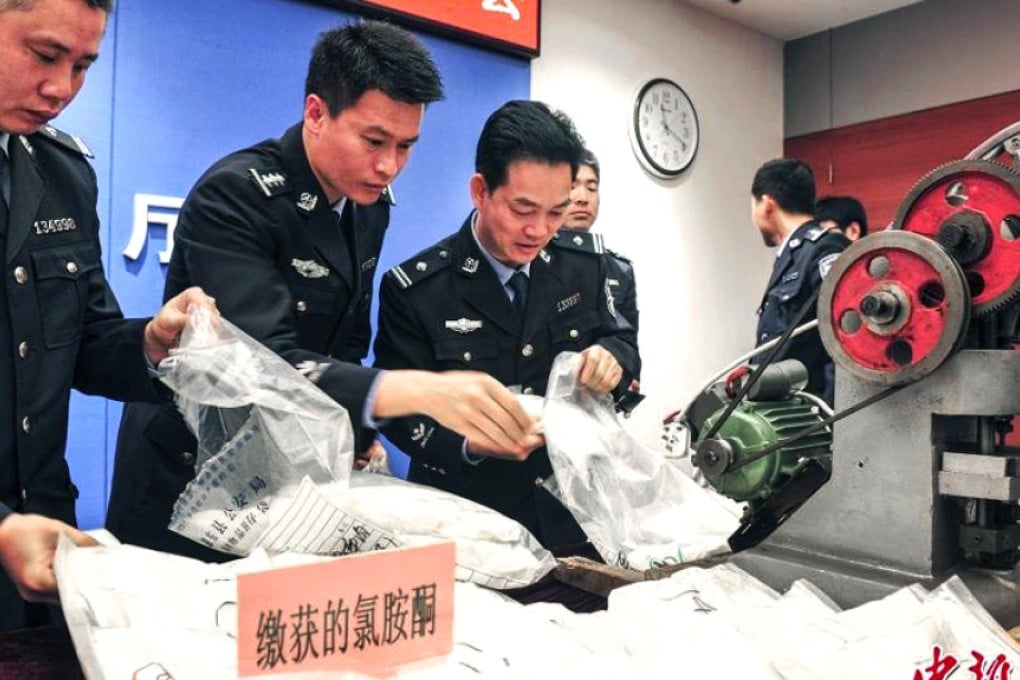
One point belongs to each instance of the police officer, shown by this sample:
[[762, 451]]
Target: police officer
[[782, 202], [505, 296], [286, 234], [845, 213], [60, 325], [581, 215]]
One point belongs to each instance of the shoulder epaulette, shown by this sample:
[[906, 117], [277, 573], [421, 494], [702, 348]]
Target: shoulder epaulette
[[582, 241], [387, 196], [815, 233], [617, 256], [69, 141], [270, 182], [421, 266], [837, 235]]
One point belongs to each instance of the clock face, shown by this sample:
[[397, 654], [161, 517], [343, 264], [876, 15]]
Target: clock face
[[664, 130]]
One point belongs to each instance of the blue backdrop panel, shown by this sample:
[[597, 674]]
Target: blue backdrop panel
[[181, 84]]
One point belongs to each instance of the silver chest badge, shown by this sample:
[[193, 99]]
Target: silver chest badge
[[307, 201], [463, 325], [568, 302], [310, 269], [54, 226], [470, 265]]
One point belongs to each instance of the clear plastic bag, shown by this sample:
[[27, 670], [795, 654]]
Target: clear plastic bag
[[638, 509], [275, 471]]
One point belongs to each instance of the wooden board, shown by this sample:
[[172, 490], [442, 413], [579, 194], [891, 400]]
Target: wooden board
[[601, 579]]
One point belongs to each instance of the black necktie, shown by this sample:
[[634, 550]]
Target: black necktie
[[519, 285]]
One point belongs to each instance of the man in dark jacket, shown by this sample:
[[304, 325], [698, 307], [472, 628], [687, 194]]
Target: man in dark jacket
[[782, 203], [60, 325], [286, 235], [505, 296]]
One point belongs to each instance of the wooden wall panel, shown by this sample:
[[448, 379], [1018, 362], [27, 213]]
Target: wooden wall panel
[[879, 161]]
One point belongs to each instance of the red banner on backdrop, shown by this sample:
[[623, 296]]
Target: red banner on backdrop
[[508, 23]]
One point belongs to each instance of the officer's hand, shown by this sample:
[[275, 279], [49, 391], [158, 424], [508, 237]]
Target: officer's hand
[[472, 404], [28, 544], [375, 454], [480, 408], [163, 332], [600, 372]]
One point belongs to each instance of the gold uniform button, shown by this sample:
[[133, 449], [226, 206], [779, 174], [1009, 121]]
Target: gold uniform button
[[527, 350], [26, 425], [574, 333], [23, 350], [467, 356], [20, 275], [72, 267], [301, 306]]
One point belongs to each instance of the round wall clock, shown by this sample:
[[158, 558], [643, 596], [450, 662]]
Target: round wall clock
[[664, 128]]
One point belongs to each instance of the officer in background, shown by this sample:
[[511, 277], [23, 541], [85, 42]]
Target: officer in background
[[581, 215], [844, 213], [782, 205], [286, 234], [60, 325], [504, 295]]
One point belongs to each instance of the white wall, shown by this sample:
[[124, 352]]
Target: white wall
[[701, 266]]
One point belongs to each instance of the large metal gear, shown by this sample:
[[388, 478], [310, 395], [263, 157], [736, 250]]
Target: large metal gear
[[972, 208], [893, 308], [1004, 144]]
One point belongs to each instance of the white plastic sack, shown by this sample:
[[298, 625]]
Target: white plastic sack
[[637, 509], [129, 608], [492, 549]]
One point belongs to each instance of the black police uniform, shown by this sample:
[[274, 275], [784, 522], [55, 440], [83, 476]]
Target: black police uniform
[[60, 327], [446, 309], [621, 276], [797, 272], [257, 233]]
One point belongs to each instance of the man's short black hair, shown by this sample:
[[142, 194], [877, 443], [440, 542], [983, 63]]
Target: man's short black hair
[[525, 131], [592, 161], [105, 5], [789, 182], [371, 55], [843, 210]]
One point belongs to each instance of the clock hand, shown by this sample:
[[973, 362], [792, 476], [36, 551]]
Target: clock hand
[[672, 132]]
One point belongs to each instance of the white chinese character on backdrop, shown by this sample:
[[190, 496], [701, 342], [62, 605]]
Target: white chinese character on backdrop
[[153, 209]]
